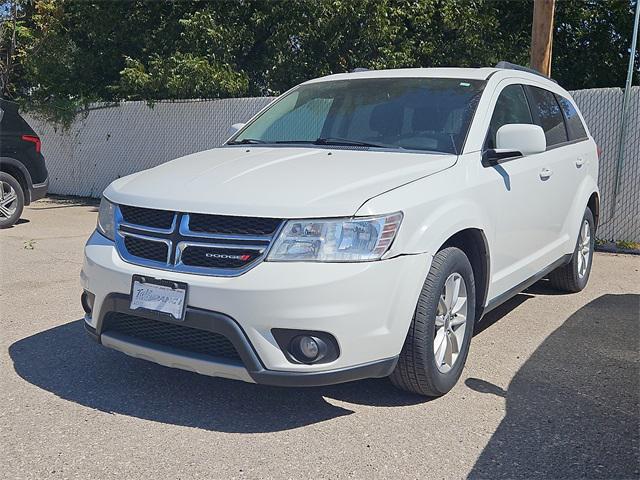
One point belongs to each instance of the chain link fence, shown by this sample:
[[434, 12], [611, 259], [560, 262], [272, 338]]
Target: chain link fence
[[111, 142], [602, 109]]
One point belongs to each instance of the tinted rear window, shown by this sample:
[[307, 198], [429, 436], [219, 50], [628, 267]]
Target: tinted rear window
[[575, 127], [12, 122], [548, 116]]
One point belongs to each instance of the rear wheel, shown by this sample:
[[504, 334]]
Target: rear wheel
[[437, 344], [11, 200], [573, 277]]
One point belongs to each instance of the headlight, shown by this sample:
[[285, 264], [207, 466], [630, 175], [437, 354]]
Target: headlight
[[336, 240], [106, 219]]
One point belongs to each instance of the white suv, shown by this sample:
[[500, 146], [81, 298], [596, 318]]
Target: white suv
[[359, 226]]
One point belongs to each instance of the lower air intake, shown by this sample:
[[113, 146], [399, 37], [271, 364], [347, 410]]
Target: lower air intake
[[182, 338]]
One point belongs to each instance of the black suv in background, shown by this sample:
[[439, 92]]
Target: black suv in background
[[23, 173]]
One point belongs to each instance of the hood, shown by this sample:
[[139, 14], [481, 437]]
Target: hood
[[279, 182]]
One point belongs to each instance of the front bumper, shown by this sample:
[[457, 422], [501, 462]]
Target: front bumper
[[250, 369], [367, 307]]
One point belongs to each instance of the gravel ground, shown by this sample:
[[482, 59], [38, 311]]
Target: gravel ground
[[550, 390]]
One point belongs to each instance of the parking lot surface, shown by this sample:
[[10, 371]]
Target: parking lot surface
[[551, 390]]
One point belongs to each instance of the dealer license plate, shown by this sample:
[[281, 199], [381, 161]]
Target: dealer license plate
[[159, 296]]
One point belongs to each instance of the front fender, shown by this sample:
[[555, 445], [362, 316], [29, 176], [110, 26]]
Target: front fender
[[428, 232], [433, 212]]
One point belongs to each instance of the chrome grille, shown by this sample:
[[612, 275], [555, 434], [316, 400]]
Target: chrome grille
[[217, 245]]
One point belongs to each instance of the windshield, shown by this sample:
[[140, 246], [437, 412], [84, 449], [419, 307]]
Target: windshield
[[431, 114]]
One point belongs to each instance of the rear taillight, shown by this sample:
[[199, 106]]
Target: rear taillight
[[599, 150], [33, 139]]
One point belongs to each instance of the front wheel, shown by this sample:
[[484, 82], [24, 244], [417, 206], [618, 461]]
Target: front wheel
[[573, 277], [437, 344]]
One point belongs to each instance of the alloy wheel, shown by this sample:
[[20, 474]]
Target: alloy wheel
[[584, 249], [8, 200], [451, 322]]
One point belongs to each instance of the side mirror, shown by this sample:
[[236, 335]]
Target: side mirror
[[515, 140], [524, 138], [234, 128]]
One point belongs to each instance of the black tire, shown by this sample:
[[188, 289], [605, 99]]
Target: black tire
[[416, 370], [567, 278], [8, 221]]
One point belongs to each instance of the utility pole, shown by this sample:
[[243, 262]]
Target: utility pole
[[542, 35]]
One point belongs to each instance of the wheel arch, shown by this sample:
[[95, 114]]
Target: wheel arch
[[473, 242], [594, 205], [18, 171], [587, 195]]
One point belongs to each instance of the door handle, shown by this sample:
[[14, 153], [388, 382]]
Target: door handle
[[545, 173], [579, 162]]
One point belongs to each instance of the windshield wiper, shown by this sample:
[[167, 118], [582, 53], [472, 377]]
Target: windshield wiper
[[346, 141], [318, 141], [246, 141]]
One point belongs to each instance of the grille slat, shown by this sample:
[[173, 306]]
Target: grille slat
[[147, 217], [180, 337], [229, 225], [149, 249]]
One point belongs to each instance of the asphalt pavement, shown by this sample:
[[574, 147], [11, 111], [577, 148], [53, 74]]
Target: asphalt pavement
[[551, 390]]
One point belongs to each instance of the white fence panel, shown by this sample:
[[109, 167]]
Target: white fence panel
[[112, 142]]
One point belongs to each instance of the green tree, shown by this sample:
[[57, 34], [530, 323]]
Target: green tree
[[591, 44], [69, 53]]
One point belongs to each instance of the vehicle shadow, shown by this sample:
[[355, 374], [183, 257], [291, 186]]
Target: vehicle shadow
[[572, 409], [64, 361], [500, 312], [544, 287], [20, 221]]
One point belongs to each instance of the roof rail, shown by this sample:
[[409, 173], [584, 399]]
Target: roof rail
[[359, 69], [513, 66]]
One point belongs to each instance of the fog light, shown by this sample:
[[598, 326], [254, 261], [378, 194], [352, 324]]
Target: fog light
[[308, 349]]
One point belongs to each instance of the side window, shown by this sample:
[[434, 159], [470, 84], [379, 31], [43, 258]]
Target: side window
[[511, 107], [575, 127], [549, 116]]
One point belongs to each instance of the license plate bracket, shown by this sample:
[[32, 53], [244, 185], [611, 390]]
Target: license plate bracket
[[158, 296]]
